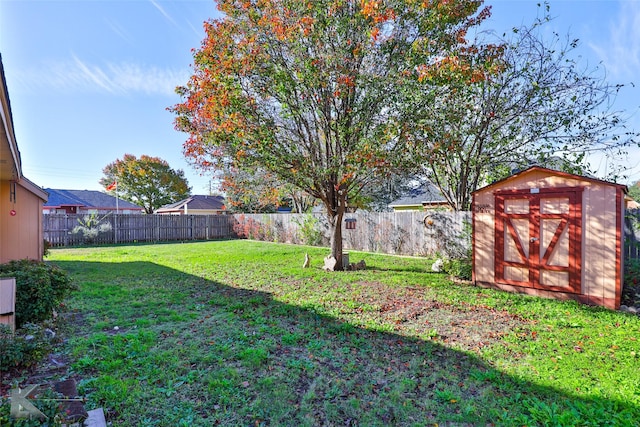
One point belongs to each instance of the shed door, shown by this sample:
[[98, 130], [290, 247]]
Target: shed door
[[538, 238]]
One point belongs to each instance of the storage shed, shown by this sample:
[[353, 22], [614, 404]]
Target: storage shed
[[551, 234]]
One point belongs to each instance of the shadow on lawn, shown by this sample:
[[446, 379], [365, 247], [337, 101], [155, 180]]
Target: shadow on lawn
[[242, 358]]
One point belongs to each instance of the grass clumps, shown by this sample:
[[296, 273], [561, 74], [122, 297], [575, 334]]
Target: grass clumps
[[238, 333]]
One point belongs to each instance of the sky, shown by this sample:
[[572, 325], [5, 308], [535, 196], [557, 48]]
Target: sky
[[91, 80]]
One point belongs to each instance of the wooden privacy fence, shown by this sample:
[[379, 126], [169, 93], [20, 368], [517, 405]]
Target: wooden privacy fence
[[632, 234], [416, 233], [405, 233], [120, 228]]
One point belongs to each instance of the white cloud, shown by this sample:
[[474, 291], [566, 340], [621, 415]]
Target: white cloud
[[131, 77], [163, 12], [621, 53], [78, 76], [119, 30]]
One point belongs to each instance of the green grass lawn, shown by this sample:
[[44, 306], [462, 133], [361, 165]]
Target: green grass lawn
[[237, 333]]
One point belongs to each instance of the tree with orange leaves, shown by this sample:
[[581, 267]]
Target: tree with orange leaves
[[318, 92], [146, 181]]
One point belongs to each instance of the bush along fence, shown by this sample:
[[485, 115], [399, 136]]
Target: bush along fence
[[632, 234], [418, 233], [72, 230]]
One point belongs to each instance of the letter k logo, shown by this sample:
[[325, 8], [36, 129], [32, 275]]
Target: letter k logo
[[21, 407]]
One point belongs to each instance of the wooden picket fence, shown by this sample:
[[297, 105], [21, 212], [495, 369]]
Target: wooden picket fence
[[58, 228]]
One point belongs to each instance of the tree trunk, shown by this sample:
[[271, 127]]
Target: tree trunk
[[335, 224]]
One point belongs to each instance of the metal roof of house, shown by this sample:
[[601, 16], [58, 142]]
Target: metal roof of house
[[196, 203], [86, 198], [427, 193]]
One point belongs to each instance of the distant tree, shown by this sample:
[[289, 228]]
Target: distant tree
[[299, 200], [538, 105], [256, 190], [378, 196], [318, 92], [252, 191], [148, 181]]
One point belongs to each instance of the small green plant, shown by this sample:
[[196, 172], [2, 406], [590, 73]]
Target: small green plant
[[446, 396], [631, 291], [254, 357], [22, 349], [460, 268], [46, 246], [40, 287], [309, 230], [91, 226], [455, 246]]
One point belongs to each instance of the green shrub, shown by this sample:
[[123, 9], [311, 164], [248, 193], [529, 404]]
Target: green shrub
[[631, 282], [22, 349], [46, 248], [454, 245], [309, 229], [460, 268], [39, 289], [632, 272]]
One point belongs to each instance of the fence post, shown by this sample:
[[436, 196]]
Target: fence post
[[66, 230]]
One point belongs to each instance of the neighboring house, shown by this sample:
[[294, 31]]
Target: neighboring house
[[630, 203], [195, 205], [87, 202], [21, 200], [427, 196]]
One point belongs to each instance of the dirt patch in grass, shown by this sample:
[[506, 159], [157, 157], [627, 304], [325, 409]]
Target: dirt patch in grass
[[464, 326]]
